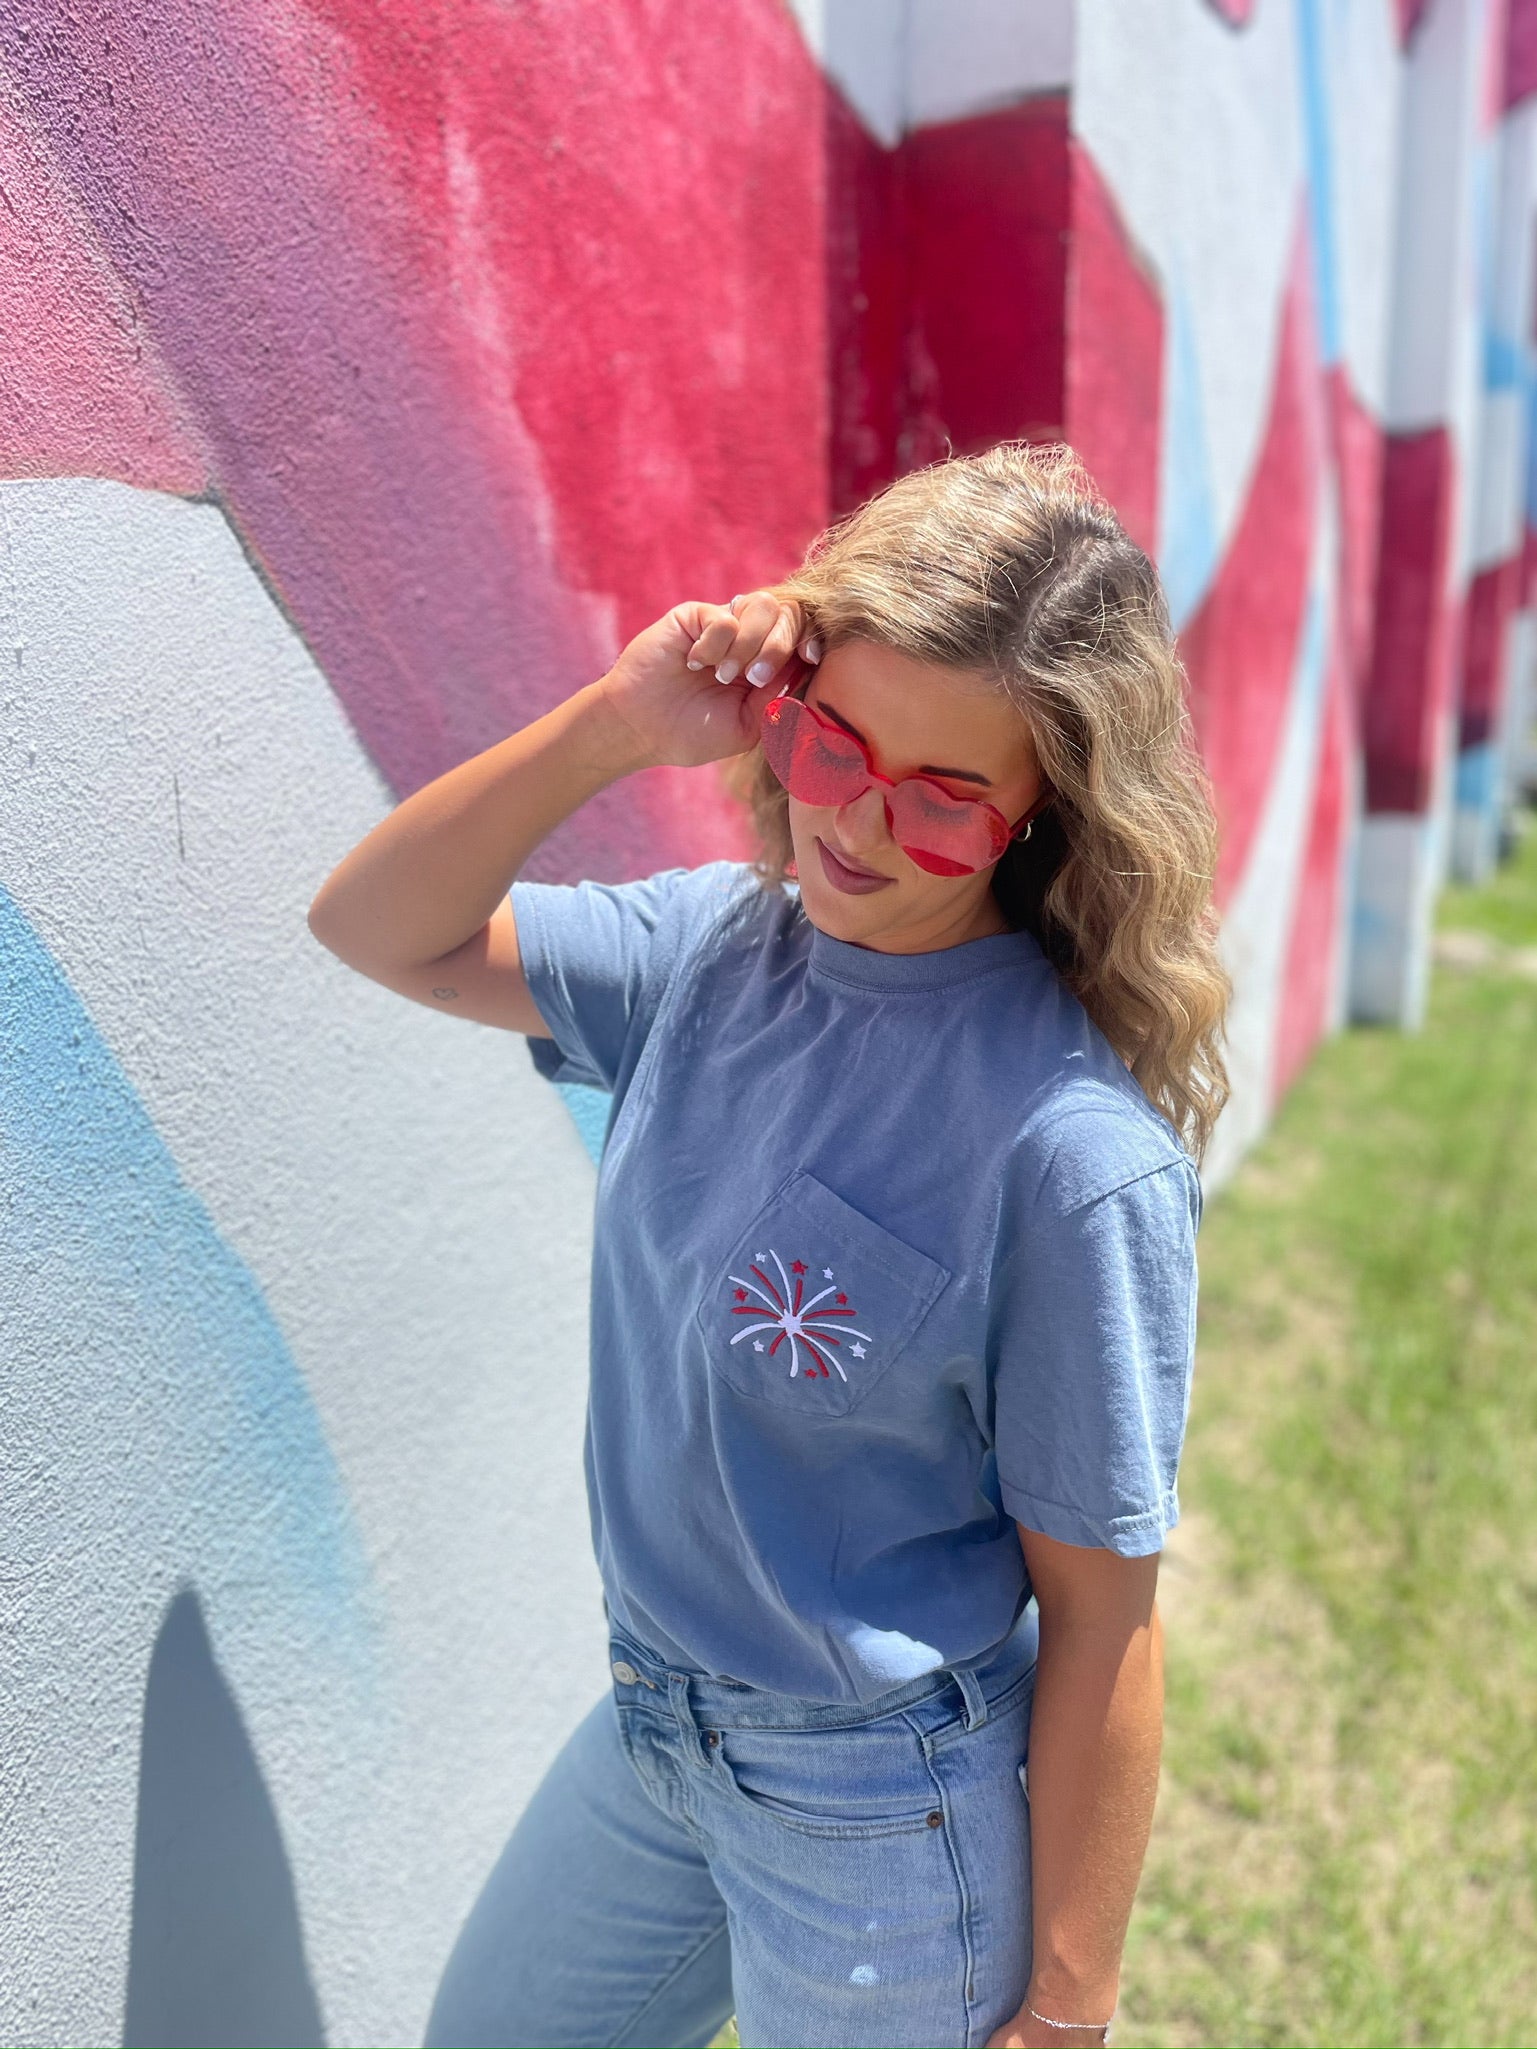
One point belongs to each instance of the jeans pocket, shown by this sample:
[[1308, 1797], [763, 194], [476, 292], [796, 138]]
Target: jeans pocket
[[842, 1785]]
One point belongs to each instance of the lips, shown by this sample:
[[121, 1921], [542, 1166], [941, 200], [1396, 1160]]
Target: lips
[[845, 877]]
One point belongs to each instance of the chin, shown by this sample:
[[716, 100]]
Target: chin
[[846, 917], [840, 917]]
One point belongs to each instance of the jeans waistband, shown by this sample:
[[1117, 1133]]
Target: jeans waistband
[[731, 1704]]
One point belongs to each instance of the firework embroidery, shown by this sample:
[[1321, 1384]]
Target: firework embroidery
[[784, 1310]]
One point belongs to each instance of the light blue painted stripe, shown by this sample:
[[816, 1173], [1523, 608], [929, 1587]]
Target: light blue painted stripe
[[1477, 777], [1320, 161], [126, 1289], [1502, 362], [589, 1113]]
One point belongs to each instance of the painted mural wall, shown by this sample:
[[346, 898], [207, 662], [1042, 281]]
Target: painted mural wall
[[371, 373]]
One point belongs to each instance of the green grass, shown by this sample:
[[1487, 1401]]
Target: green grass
[[1346, 1843]]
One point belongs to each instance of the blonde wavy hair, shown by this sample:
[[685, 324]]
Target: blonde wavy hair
[[1010, 564]]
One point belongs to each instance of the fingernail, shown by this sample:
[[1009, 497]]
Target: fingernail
[[760, 672], [725, 672], [813, 649], [696, 665]]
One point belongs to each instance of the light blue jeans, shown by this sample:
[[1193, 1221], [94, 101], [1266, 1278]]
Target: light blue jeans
[[835, 1875]]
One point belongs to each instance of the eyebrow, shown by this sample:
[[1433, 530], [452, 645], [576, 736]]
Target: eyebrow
[[955, 775]]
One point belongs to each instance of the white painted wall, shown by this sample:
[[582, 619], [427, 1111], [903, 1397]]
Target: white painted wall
[[299, 1311]]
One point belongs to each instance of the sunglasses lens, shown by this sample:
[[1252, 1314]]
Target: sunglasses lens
[[816, 765], [943, 834]]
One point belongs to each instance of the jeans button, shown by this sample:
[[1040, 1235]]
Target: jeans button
[[625, 1672]]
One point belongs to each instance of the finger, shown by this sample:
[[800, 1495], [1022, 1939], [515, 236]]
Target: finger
[[756, 620], [755, 610], [777, 647], [716, 633]]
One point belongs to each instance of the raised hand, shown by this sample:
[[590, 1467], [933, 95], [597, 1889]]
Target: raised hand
[[692, 687]]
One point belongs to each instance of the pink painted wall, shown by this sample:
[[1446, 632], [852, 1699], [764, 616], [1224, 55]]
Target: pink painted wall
[[479, 339]]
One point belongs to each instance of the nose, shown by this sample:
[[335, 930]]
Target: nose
[[862, 823]]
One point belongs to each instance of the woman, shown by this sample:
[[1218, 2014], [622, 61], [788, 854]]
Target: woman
[[894, 1276]]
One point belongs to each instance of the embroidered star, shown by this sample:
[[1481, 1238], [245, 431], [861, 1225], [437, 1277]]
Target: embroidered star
[[827, 1273], [757, 1344], [797, 1266], [857, 1350], [741, 1294], [760, 1257], [841, 1300]]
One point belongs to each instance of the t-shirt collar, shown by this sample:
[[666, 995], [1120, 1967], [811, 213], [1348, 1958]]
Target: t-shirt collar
[[840, 960]]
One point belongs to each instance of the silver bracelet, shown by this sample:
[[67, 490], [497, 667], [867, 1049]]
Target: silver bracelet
[[1101, 2027]]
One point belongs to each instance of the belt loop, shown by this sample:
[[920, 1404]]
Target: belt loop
[[972, 1694], [683, 1715]]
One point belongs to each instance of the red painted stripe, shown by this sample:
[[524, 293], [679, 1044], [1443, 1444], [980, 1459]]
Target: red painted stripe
[[1409, 686], [1356, 442], [946, 264], [1241, 646], [985, 211], [1486, 631], [1307, 985], [1520, 52], [866, 297], [1113, 394]]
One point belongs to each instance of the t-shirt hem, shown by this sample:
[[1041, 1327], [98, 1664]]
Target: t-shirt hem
[[556, 1065], [1133, 1536]]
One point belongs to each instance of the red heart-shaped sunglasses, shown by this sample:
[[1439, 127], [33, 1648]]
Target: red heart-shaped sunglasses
[[819, 763]]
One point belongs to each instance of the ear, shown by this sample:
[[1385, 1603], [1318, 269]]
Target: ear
[[1042, 803], [797, 673]]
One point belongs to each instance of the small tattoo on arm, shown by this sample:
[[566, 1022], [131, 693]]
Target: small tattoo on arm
[[445, 992]]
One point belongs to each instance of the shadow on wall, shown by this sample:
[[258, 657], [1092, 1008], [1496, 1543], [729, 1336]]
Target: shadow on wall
[[217, 1953]]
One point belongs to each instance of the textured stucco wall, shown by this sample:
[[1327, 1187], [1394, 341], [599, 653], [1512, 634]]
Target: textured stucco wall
[[293, 1299], [371, 372]]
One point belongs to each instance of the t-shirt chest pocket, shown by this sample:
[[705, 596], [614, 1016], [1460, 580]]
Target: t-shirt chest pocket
[[814, 1303]]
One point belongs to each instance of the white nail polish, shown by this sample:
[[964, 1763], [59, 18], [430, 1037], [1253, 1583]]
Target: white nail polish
[[813, 649], [725, 672], [760, 672], [696, 665]]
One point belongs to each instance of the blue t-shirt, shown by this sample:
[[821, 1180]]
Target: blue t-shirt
[[890, 1251]]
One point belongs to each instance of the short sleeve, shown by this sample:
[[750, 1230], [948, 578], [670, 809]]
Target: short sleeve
[[1095, 1355], [597, 956]]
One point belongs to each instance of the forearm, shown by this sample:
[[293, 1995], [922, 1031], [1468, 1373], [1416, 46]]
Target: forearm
[[1096, 1730], [430, 874]]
